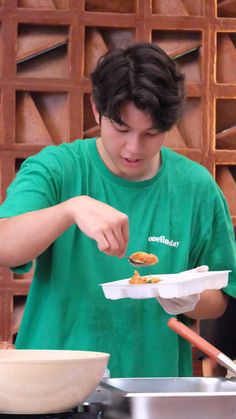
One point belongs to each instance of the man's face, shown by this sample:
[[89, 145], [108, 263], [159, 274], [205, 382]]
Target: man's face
[[130, 150]]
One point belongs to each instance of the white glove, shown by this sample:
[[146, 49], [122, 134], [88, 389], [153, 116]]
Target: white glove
[[179, 305], [183, 304]]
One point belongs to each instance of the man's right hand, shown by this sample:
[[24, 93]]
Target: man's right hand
[[102, 223]]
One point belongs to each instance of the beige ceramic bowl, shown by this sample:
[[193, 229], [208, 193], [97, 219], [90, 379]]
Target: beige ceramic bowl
[[48, 381]]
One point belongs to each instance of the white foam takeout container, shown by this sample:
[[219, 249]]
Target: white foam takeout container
[[170, 285]]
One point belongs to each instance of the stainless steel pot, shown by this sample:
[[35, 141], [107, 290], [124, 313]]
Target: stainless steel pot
[[167, 398]]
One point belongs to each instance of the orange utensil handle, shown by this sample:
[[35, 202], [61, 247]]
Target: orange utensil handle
[[193, 338]]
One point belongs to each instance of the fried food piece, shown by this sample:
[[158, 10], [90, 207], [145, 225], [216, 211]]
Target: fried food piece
[[143, 257], [138, 279]]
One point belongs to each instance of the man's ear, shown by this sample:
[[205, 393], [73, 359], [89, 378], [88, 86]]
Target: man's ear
[[95, 111]]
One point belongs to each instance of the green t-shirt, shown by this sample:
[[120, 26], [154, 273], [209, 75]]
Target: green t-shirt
[[180, 215]]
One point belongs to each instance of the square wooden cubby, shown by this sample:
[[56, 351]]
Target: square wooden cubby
[[178, 8], [41, 118], [108, 6], [185, 47], [187, 134], [52, 5], [42, 51], [226, 124], [226, 8], [99, 39], [226, 57]]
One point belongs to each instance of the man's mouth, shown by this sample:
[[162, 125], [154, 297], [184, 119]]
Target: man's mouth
[[131, 160]]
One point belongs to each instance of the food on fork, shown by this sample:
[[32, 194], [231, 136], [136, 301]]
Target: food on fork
[[143, 257], [138, 279]]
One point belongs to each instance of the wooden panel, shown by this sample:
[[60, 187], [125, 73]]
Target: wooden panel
[[44, 4], [227, 8], [185, 47], [112, 6], [226, 58], [41, 118]]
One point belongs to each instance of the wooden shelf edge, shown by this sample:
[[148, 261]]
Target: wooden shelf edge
[[227, 157], [224, 91]]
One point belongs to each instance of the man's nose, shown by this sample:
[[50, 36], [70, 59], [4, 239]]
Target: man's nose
[[134, 143]]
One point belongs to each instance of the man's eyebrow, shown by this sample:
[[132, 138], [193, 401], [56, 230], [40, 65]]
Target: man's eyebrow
[[119, 123], [126, 125]]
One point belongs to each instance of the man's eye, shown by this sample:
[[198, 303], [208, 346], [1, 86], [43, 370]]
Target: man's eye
[[152, 133], [120, 128], [123, 129]]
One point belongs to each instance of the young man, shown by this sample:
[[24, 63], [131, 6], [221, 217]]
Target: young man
[[79, 208]]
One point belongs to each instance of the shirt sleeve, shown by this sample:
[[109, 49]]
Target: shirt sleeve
[[36, 186], [218, 249]]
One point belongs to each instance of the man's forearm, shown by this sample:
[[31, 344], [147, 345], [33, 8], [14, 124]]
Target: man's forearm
[[24, 237], [212, 304]]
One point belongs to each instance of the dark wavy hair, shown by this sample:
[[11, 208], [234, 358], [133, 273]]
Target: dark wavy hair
[[144, 74]]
